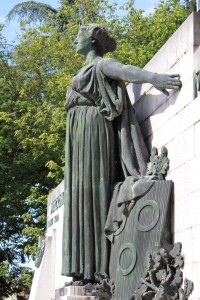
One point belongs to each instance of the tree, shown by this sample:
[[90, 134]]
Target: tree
[[141, 36], [32, 11], [11, 241], [33, 81]]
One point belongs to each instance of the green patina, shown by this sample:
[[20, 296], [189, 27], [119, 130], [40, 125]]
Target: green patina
[[57, 203], [196, 84], [104, 145], [53, 220], [50, 222]]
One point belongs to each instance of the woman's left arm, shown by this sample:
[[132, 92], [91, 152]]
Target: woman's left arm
[[116, 70]]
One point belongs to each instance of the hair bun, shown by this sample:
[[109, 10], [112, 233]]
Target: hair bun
[[100, 34], [111, 45]]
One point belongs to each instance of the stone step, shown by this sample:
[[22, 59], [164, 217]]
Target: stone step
[[59, 292], [77, 297], [70, 291], [74, 291]]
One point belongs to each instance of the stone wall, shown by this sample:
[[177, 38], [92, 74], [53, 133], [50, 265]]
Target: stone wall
[[55, 228], [174, 122], [47, 277]]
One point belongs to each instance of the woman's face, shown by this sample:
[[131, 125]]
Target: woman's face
[[83, 42]]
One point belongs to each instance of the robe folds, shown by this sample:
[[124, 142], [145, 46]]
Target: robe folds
[[94, 103]]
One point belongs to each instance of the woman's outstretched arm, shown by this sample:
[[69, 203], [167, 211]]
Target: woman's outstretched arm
[[116, 70]]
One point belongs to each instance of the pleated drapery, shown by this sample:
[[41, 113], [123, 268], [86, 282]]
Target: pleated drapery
[[93, 102], [88, 186]]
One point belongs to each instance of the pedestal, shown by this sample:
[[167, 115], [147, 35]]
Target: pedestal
[[73, 293], [143, 232]]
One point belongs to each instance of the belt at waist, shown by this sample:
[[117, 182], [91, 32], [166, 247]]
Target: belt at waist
[[81, 101]]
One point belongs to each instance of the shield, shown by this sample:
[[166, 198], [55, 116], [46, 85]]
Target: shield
[[145, 229]]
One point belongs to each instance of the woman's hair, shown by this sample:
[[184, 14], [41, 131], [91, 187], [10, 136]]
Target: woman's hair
[[102, 41]]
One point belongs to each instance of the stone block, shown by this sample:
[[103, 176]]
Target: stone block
[[162, 108], [179, 100], [169, 131], [195, 208], [185, 237], [149, 103], [197, 137], [190, 115], [158, 117], [182, 178], [181, 149], [77, 298], [59, 292], [182, 215], [195, 166], [169, 117], [191, 271], [196, 232], [196, 250], [61, 215], [184, 66], [181, 121], [74, 291]]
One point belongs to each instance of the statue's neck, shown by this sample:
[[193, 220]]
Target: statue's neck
[[91, 56]]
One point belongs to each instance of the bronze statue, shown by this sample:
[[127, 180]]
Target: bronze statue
[[103, 144]]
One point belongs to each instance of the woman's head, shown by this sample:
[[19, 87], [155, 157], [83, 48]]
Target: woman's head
[[94, 36]]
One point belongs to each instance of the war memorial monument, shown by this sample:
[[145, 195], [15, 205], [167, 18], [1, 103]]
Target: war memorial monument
[[124, 223]]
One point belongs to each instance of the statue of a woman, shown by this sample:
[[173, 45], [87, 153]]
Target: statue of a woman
[[101, 130]]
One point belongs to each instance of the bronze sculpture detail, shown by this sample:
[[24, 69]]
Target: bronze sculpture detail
[[104, 145]]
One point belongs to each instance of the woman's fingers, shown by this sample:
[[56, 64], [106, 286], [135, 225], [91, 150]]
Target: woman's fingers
[[175, 75], [172, 83], [168, 81], [175, 79]]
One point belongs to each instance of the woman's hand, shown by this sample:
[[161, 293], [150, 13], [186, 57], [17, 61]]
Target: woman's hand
[[165, 81]]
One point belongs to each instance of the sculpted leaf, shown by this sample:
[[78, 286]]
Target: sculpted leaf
[[158, 165], [178, 261], [178, 278], [176, 250], [188, 288], [164, 276]]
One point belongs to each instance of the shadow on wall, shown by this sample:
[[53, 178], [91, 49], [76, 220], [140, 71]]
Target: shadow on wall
[[149, 105]]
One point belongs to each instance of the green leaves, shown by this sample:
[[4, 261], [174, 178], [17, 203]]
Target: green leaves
[[32, 11], [140, 36]]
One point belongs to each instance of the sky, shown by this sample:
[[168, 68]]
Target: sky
[[11, 31]]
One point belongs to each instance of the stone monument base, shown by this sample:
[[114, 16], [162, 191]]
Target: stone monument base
[[146, 228], [73, 293]]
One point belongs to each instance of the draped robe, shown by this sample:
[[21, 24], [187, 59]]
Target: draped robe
[[94, 101]]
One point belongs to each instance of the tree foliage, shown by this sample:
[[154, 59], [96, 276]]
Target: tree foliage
[[34, 77], [32, 11], [141, 36]]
